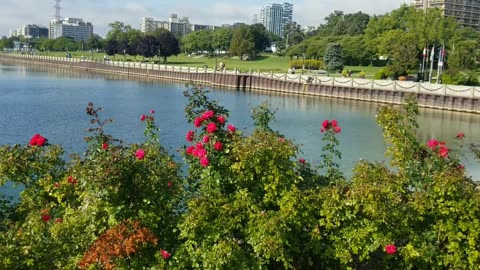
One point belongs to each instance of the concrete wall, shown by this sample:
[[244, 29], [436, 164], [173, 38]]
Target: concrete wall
[[437, 96]]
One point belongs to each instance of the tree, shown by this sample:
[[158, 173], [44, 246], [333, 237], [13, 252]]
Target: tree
[[166, 44], [261, 37], [243, 42], [148, 46], [94, 42], [404, 55], [293, 34], [134, 39], [111, 47], [116, 28], [221, 39], [333, 57], [65, 44]]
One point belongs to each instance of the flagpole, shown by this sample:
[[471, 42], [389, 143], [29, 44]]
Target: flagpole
[[440, 63], [431, 64], [424, 53]]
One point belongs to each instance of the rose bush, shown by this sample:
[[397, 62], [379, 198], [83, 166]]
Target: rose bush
[[242, 201]]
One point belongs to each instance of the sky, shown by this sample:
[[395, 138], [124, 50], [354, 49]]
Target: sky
[[15, 13]]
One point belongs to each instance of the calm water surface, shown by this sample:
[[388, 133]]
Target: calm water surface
[[52, 102]]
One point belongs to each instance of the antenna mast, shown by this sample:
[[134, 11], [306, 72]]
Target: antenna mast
[[57, 10]]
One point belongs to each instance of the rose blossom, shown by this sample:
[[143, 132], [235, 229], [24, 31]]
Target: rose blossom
[[231, 128], [460, 135], [58, 220], [190, 149], [198, 122], [38, 140], [140, 154], [170, 184], [189, 136], [165, 254], [325, 124], [143, 117], [432, 144], [204, 161], [218, 146], [206, 139], [221, 119], [208, 114], [201, 153], [443, 152], [334, 123], [152, 111], [199, 146], [390, 249], [104, 146], [211, 127], [337, 129], [46, 217], [301, 160]]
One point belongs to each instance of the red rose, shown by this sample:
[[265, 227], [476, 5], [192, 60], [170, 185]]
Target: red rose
[[325, 124], [140, 154], [204, 161], [143, 117], [334, 123], [443, 152], [58, 220], [201, 153], [165, 254], [170, 184], [190, 149], [301, 160], [104, 146], [46, 217], [231, 128], [37, 140], [152, 111], [57, 185], [460, 135], [218, 146], [337, 129], [390, 249], [221, 119], [189, 136], [206, 139], [208, 114], [198, 122], [200, 146], [70, 179], [211, 127], [432, 144]]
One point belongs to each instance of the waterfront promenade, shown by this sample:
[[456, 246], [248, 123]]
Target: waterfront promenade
[[437, 96]]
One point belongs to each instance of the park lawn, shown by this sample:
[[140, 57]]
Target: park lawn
[[264, 63]]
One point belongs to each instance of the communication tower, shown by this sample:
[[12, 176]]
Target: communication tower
[[57, 10]]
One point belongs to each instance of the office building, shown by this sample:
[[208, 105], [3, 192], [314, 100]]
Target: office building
[[466, 12], [178, 26], [30, 31], [276, 16], [70, 27]]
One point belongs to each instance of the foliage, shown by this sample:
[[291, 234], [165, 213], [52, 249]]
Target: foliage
[[383, 73], [309, 64], [166, 44], [244, 201], [464, 77], [333, 57], [243, 42]]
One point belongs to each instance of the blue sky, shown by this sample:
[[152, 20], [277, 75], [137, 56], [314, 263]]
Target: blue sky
[[14, 13]]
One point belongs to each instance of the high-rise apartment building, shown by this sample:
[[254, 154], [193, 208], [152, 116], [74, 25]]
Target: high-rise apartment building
[[178, 26], [276, 16], [466, 12], [70, 27]]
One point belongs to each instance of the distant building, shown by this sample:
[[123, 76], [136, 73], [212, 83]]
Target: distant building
[[70, 27], [178, 26], [276, 16], [30, 31], [466, 12]]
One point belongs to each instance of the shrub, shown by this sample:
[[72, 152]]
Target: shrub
[[383, 73], [309, 64]]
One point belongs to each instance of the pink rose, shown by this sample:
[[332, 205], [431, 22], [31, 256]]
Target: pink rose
[[189, 136], [221, 119], [206, 139], [204, 161], [443, 152], [201, 153], [152, 111], [169, 184], [432, 144], [165, 254], [198, 122], [190, 149], [325, 124], [211, 127], [334, 123], [143, 117], [200, 146], [104, 146], [337, 129], [208, 114], [460, 135], [231, 128], [390, 249], [301, 160], [218, 146], [140, 154]]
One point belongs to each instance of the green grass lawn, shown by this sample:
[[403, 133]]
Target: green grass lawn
[[264, 63]]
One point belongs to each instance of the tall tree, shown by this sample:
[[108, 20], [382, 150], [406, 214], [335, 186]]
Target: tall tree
[[94, 42], [222, 38], [260, 36], [293, 34], [243, 42], [166, 44], [148, 46]]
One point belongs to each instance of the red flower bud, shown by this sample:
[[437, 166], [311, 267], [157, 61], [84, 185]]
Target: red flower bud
[[390, 249], [165, 254]]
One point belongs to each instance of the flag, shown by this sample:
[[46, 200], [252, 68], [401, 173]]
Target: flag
[[441, 56], [432, 53], [424, 51]]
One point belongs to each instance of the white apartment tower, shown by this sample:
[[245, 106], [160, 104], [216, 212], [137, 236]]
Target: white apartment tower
[[276, 16], [70, 27]]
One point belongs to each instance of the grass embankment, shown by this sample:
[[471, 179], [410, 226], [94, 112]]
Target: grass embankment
[[264, 63]]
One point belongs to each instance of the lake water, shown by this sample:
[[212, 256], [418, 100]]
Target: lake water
[[52, 102]]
